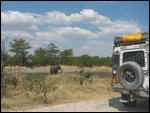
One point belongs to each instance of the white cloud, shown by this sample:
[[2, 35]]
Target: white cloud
[[95, 48], [17, 17], [16, 34], [35, 28], [75, 32], [86, 15], [119, 27], [74, 18], [89, 14], [14, 20], [54, 17], [62, 33], [105, 24]]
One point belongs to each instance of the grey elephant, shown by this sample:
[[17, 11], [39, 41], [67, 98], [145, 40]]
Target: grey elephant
[[29, 63], [54, 69]]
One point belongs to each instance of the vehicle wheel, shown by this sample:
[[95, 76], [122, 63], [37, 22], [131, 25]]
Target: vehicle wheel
[[131, 75]]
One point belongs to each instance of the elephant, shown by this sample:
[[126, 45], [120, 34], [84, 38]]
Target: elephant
[[29, 63], [54, 69]]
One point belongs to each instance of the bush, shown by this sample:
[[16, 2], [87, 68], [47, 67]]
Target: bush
[[84, 77], [34, 82], [39, 84], [8, 81], [4, 82]]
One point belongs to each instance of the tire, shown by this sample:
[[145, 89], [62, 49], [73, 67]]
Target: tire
[[131, 75]]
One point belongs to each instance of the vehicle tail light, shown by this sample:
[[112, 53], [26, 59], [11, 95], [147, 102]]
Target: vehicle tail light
[[114, 79]]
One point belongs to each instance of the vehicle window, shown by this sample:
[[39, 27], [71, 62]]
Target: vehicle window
[[135, 56]]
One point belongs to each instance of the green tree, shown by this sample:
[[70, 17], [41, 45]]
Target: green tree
[[66, 56], [52, 53], [39, 57], [19, 47], [86, 60]]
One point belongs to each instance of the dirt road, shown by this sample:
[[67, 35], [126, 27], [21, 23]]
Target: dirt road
[[67, 70], [101, 105]]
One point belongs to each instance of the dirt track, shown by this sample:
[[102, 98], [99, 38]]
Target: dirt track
[[71, 70], [101, 105]]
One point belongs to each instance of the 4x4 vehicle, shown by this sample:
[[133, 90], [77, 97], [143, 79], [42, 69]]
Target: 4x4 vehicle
[[130, 72]]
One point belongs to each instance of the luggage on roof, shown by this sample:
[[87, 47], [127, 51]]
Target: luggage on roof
[[132, 38]]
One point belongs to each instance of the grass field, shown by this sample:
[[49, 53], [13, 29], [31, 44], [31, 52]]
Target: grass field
[[62, 88]]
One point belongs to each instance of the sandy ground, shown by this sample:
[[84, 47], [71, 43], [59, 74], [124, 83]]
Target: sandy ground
[[99, 105]]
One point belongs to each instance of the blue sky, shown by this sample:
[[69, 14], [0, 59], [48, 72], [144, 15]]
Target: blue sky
[[86, 27]]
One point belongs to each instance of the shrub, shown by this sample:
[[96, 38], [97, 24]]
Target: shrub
[[8, 81], [84, 77], [39, 84], [34, 82], [4, 82]]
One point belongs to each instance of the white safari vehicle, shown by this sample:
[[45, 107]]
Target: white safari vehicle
[[130, 72]]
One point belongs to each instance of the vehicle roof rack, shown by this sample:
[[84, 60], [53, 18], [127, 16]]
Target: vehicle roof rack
[[136, 38]]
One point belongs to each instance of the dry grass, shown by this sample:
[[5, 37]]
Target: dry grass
[[66, 90], [91, 69]]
